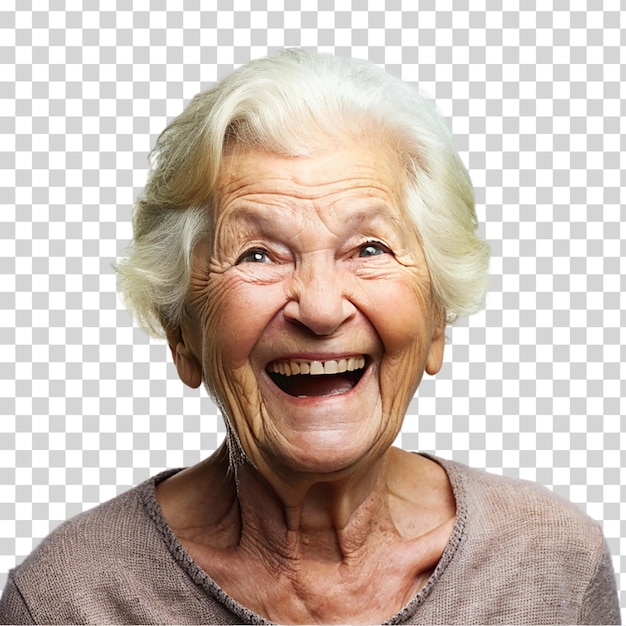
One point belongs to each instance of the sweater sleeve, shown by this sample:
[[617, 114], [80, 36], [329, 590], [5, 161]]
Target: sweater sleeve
[[600, 603], [13, 609]]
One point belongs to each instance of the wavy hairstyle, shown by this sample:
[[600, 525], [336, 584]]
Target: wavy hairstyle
[[298, 103]]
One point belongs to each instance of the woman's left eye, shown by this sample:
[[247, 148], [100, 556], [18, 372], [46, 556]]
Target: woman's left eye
[[373, 248], [254, 256]]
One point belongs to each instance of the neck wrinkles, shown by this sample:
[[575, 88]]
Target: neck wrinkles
[[331, 519]]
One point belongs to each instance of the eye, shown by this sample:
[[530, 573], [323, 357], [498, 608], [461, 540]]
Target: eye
[[255, 255], [373, 248]]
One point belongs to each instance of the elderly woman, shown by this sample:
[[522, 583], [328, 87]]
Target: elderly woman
[[305, 236]]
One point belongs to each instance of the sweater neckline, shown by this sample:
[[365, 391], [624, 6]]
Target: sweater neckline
[[203, 580]]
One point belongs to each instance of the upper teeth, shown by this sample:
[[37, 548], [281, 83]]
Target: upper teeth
[[316, 368]]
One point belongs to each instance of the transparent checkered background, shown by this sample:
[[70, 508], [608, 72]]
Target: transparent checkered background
[[532, 387]]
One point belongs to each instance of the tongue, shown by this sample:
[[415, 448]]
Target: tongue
[[327, 385]]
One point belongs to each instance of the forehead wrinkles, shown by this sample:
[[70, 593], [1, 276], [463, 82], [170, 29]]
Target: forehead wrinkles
[[254, 187], [325, 187], [335, 214], [256, 171]]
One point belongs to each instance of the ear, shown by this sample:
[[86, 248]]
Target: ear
[[187, 364], [434, 361]]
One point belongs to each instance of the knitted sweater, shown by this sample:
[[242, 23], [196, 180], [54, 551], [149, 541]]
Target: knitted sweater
[[517, 554]]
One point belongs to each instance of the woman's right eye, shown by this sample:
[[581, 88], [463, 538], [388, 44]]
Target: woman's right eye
[[373, 248], [254, 256]]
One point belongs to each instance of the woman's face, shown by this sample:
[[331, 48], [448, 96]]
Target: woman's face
[[311, 318]]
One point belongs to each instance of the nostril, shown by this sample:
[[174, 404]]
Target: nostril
[[322, 314]]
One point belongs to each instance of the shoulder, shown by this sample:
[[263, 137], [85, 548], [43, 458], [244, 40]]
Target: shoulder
[[513, 502], [92, 563], [102, 533], [523, 512], [535, 555]]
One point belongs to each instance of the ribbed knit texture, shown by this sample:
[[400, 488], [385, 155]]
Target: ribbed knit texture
[[517, 554]]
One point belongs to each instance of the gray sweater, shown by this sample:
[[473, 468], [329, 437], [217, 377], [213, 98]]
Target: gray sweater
[[517, 554]]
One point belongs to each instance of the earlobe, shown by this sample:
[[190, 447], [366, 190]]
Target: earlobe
[[187, 365], [434, 360]]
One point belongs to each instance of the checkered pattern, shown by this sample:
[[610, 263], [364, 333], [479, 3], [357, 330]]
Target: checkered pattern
[[533, 386]]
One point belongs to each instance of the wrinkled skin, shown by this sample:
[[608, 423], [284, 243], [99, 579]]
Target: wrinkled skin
[[312, 259], [311, 292]]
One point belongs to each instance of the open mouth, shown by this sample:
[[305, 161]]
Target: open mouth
[[303, 378]]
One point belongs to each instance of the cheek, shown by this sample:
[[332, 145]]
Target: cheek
[[235, 315], [402, 315], [403, 321], [234, 318]]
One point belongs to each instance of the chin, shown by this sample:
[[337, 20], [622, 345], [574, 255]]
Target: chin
[[329, 452]]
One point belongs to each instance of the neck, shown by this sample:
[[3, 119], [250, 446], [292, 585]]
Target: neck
[[311, 549], [313, 514]]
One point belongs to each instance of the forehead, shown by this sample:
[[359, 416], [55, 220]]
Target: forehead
[[368, 171]]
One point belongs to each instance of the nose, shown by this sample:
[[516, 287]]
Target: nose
[[318, 296]]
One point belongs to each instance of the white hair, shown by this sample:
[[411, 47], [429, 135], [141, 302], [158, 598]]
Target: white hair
[[299, 103]]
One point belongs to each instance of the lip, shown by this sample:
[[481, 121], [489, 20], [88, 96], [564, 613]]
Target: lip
[[315, 356]]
